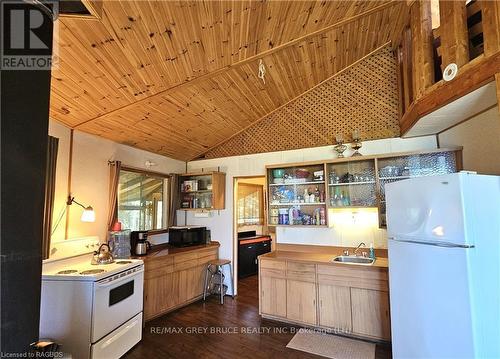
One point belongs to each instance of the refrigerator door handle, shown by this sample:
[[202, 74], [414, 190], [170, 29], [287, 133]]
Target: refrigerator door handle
[[436, 244]]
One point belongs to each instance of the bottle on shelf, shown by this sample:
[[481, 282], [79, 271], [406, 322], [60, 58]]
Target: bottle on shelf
[[322, 216], [317, 194], [347, 200]]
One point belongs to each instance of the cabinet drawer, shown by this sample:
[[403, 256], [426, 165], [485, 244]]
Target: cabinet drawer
[[204, 260], [277, 273], [353, 271], [179, 258], [158, 263], [272, 264], [185, 265], [301, 276], [354, 282], [153, 273], [301, 267]]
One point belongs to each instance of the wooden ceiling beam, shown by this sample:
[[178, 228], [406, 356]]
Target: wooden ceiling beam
[[470, 77], [249, 59]]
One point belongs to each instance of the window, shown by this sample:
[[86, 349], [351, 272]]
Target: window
[[142, 200], [250, 204]]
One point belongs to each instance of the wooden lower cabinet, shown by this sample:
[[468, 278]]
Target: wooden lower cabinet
[[335, 307], [348, 299], [301, 301], [273, 295], [174, 281], [370, 313]]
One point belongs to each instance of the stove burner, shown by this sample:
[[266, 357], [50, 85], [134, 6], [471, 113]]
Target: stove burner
[[123, 262], [92, 271], [67, 271]]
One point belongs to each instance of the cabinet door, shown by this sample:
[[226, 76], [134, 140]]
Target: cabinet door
[[370, 313], [335, 307], [191, 283], [160, 294], [301, 301], [247, 258], [273, 296]]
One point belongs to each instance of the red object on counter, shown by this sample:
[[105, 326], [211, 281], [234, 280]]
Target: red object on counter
[[117, 226]]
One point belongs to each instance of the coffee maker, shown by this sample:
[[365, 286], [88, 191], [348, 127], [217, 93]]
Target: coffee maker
[[137, 237]]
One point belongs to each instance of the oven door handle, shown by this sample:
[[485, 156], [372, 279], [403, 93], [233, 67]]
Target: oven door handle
[[107, 283]]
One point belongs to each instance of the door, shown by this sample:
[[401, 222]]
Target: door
[[116, 301], [335, 307], [301, 301], [430, 301], [370, 313], [273, 296]]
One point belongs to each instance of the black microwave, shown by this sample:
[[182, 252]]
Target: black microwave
[[188, 236]]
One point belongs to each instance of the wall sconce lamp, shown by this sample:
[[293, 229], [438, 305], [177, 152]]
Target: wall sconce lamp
[[88, 214]]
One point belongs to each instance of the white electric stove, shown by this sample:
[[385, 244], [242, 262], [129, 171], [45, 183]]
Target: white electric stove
[[93, 311]]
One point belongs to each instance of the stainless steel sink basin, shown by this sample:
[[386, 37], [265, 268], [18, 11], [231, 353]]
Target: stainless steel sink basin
[[354, 260]]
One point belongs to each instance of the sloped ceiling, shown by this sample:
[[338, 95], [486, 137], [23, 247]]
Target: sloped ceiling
[[180, 78], [363, 97]]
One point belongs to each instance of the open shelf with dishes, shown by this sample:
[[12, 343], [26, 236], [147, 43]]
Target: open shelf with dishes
[[398, 168], [297, 195], [352, 184], [300, 193], [202, 191]]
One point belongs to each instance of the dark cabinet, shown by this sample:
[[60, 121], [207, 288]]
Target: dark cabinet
[[248, 251]]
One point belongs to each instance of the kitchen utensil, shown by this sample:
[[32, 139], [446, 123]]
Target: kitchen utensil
[[302, 173], [278, 173], [141, 249], [103, 255]]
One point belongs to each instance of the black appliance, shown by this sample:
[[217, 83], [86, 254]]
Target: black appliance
[[188, 236], [250, 246], [135, 236]]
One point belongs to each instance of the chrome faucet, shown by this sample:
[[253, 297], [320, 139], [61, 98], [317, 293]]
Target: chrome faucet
[[357, 248]]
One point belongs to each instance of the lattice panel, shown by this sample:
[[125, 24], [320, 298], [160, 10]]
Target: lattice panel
[[364, 97]]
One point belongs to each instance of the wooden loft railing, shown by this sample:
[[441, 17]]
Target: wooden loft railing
[[468, 35]]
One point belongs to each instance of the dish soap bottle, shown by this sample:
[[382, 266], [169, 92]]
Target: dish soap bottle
[[372, 252]]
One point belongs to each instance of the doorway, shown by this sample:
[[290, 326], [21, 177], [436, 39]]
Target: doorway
[[249, 224]]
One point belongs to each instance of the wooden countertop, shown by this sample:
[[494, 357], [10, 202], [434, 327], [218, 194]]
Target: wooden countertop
[[320, 258], [163, 250]]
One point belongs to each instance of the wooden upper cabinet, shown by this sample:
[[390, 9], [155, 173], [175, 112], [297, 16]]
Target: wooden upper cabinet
[[202, 191]]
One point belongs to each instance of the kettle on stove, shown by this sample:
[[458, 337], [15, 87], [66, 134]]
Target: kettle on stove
[[103, 255], [142, 246]]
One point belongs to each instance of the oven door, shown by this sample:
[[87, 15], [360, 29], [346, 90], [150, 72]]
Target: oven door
[[116, 300]]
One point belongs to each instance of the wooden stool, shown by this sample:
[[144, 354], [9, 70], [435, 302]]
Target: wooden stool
[[218, 264]]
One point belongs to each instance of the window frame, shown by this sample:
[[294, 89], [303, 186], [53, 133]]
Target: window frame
[[166, 194]]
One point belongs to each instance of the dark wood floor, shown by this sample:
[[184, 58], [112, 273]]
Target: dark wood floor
[[180, 334]]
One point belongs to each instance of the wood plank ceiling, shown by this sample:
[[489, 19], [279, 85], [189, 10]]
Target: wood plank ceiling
[[179, 78]]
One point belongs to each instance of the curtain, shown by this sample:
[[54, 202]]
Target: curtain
[[50, 185], [174, 199], [114, 178]]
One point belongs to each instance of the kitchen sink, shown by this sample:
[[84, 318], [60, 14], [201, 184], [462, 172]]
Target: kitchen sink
[[354, 260]]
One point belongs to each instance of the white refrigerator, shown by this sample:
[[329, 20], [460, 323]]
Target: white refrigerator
[[444, 266]]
